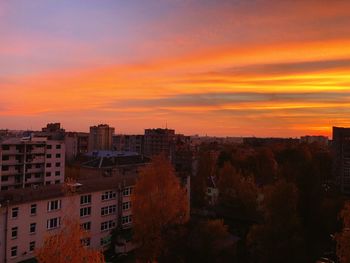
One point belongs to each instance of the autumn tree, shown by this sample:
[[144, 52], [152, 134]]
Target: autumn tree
[[159, 202], [68, 246], [343, 238], [279, 238], [237, 192]]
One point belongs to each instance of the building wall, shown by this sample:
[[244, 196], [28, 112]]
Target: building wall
[[100, 137]]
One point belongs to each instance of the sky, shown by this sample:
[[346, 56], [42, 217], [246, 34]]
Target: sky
[[216, 67]]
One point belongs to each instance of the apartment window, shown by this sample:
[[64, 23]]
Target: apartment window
[[126, 220], [85, 199], [37, 175], [32, 246], [14, 251], [53, 223], [47, 183], [15, 211], [5, 157], [108, 195], [4, 188], [58, 155], [37, 165], [28, 176], [86, 226], [58, 164], [57, 173], [57, 181], [85, 211], [48, 174], [107, 225], [48, 156], [5, 168], [127, 191], [33, 209], [14, 232], [6, 147], [32, 228], [49, 147], [58, 146], [85, 242], [53, 205], [126, 206], [48, 165], [105, 241], [4, 178], [107, 210]]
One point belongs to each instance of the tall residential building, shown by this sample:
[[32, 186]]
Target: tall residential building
[[128, 143], [159, 141], [30, 161], [341, 146], [100, 137], [28, 216]]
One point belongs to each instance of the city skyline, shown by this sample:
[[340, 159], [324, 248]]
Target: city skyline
[[266, 68]]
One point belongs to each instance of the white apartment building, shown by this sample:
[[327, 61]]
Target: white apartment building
[[27, 216], [31, 161]]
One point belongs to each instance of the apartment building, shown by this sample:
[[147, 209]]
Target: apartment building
[[100, 137], [159, 141], [129, 143], [31, 161], [341, 166], [27, 216]]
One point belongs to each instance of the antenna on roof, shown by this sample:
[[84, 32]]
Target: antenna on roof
[[166, 125]]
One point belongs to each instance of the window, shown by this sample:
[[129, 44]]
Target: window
[[48, 165], [107, 225], [85, 211], [5, 157], [48, 174], [4, 178], [53, 223], [127, 191], [37, 165], [57, 181], [48, 156], [53, 205], [32, 228], [6, 147], [107, 210], [4, 188], [105, 241], [33, 209], [14, 232], [86, 226], [14, 251], [108, 195], [49, 147], [85, 199], [47, 183], [57, 173], [58, 146], [58, 155], [15, 211], [37, 175], [32, 246], [126, 206], [58, 164], [5, 168], [85, 242], [126, 220]]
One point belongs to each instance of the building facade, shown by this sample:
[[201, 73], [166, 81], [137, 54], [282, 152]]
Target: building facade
[[100, 137], [30, 215], [159, 141], [31, 161], [341, 167]]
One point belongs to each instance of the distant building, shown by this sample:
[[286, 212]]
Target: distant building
[[322, 140], [31, 161], [159, 141], [76, 144], [341, 146], [27, 216], [129, 143], [100, 137]]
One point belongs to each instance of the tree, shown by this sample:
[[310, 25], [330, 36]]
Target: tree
[[159, 202], [68, 246], [343, 238], [237, 191], [279, 238]]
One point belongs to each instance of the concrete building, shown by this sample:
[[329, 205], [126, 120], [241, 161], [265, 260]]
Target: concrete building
[[159, 141], [341, 147], [129, 143], [322, 140], [100, 137], [31, 161], [27, 216], [76, 144]]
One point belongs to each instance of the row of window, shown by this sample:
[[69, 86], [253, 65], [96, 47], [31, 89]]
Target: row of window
[[19, 147], [14, 250], [14, 230], [107, 225], [48, 165], [49, 156], [57, 173]]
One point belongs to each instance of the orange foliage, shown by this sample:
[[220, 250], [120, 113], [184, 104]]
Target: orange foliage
[[159, 202], [67, 246], [343, 238]]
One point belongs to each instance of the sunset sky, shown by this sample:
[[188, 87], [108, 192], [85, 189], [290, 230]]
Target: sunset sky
[[218, 67]]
